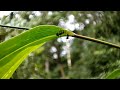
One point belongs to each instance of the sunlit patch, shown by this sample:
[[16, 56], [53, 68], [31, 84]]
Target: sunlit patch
[[94, 23], [17, 15], [82, 26], [62, 39], [63, 53], [53, 49], [87, 21], [89, 15], [4, 13], [71, 18], [50, 13], [55, 56], [30, 16], [77, 26], [61, 23], [37, 13], [70, 26]]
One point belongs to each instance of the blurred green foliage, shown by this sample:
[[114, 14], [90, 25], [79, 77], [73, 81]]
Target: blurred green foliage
[[88, 59]]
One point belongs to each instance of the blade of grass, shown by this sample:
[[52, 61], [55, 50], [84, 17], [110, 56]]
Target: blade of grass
[[15, 50], [113, 75]]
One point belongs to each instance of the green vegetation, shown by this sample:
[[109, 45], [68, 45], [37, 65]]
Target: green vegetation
[[18, 48], [60, 58]]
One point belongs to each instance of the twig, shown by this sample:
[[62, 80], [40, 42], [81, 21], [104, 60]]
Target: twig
[[14, 27], [75, 35], [96, 40]]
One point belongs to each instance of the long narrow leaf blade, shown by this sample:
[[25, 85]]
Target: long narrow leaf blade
[[113, 75], [15, 50]]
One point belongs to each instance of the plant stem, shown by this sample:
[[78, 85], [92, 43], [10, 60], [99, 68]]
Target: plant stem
[[96, 40], [14, 27], [77, 36]]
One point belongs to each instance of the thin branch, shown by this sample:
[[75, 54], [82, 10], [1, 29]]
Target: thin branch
[[75, 35], [14, 27], [96, 40]]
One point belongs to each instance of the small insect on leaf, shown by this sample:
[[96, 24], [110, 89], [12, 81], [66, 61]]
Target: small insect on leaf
[[65, 33], [67, 36], [60, 33]]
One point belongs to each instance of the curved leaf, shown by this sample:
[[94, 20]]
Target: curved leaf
[[16, 49], [113, 75]]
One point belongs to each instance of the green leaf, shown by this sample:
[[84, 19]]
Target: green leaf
[[14, 51], [113, 75]]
